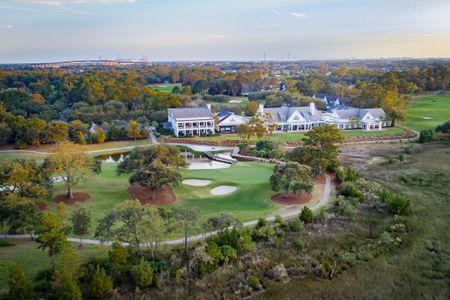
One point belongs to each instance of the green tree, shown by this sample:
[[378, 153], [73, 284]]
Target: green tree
[[291, 176], [19, 287], [131, 222], [142, 274], [81, 222], [72, 165], [426, 135], [320, 145], [444, 128], [68, 288], [51, 234], [101, 284], [187, 221], [306, 215], [134, 130], [155, 176]]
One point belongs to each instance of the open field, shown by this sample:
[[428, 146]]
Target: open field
[[428, 111], [165, 88], [419, 268], [297, 136], [249, 202], [33, 260], [101, 149]]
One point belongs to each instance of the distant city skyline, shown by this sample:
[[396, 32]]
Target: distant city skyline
[[212, 30]]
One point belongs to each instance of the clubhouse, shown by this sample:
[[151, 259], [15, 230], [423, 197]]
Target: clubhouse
[[202, 121]]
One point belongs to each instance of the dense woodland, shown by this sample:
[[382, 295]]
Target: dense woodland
[[42, 106]]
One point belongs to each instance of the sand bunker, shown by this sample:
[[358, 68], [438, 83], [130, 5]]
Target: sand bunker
[[196, 182], [223, 190]]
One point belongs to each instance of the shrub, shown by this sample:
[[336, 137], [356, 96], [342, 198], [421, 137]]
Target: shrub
[[253, 282], [261, 223], [306, 215], [6, 243], [399, 205], [384, 195], [247, 245], [101, 284], [178, 273], [142, 274], [68, 289], [228, 253], [19, 287], [277, 242], [426, 135], [296, 225], [299, 244], [156, 282], [118, 254], [348, 189], [401, 157]]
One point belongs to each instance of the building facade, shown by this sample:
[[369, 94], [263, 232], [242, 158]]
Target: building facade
[[191, 121]]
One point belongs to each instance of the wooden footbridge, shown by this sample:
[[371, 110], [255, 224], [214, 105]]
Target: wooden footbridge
[[219, 158]]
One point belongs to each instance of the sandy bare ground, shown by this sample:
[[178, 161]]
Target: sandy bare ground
[[223, 190], [196, 182]]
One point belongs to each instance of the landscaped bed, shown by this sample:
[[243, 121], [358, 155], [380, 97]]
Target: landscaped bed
[[160, 197]]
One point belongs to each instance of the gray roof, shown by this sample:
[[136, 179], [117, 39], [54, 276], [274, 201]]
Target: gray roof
[[282, 114], [190, 112], [360, 113], [375, 112]]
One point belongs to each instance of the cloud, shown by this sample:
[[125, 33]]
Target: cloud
[[7, 26], [298, 15], [218, 36], [277, 12]]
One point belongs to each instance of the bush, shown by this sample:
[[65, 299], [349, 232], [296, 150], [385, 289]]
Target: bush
[[101, 284], [426, 135], [348, 189], [296, 225], [19, 287], [299, 244], [6, 243], [306, 215], [254, 282], [399, 205], [68, 289], [228, 253], [142, 274], [384, 195]]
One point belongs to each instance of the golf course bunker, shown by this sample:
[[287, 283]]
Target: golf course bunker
[[197, 182], [223, 190]]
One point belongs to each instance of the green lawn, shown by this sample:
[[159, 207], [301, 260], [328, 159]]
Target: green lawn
[[33, 260], [428, 111], [297, 136], [165, 88], [101, 148], [249, 202]]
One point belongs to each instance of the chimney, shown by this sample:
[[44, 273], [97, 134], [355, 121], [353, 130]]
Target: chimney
[[208, 106], [261, 109], [312, 108]]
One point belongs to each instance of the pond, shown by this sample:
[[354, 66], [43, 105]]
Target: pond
[[195, 161]]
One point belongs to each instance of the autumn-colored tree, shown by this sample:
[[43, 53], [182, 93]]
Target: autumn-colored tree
[[71, 164], [251, 108], [134, 130], [57, 132]]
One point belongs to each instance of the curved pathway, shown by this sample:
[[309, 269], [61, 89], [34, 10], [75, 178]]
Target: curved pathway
[[323, 201]]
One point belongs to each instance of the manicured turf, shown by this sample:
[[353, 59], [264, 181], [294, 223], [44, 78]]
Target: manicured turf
[[250, 201], [33, 260], [297, 136], [101, 148], [165, 88], [428, 111]]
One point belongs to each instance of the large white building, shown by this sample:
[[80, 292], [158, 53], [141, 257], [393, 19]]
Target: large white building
[[191, 121], [201, 121]]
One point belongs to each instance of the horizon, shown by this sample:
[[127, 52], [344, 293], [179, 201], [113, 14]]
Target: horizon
[[173, 31]]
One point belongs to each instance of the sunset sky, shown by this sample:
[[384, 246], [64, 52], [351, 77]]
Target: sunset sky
[[53, 30]]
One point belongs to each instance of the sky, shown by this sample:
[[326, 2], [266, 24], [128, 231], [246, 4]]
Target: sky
[[180, 30]]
